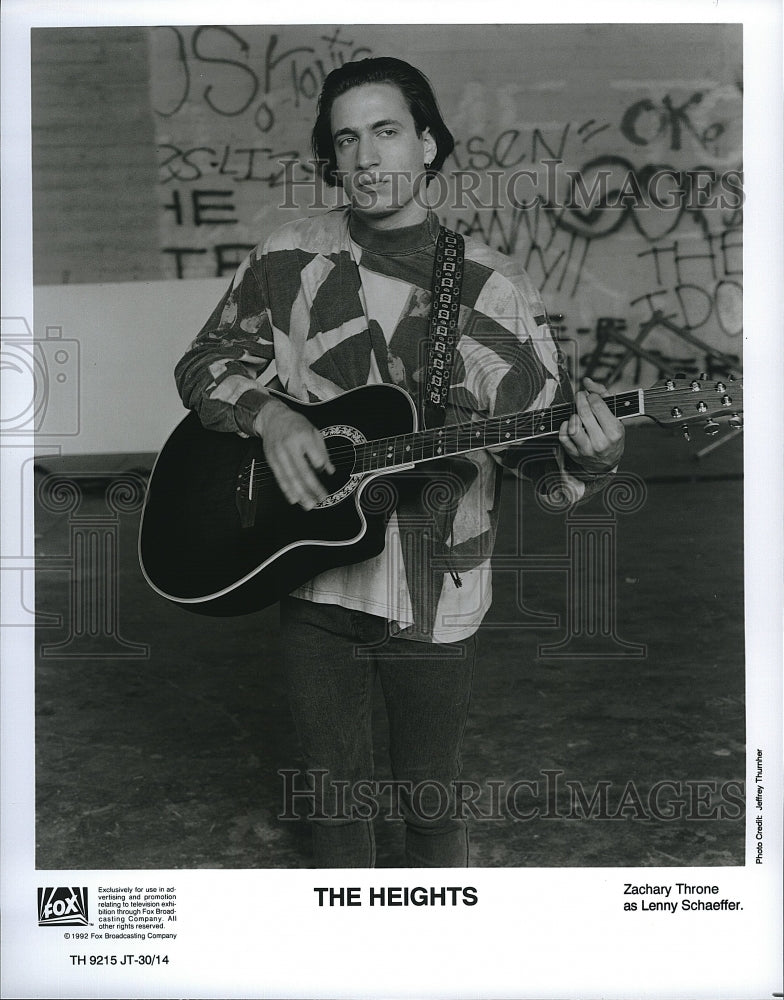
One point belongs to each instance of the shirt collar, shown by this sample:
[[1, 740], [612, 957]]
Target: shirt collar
[[407, 239]]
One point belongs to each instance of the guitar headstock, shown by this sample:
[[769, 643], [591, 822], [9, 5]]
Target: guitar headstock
[[680, 401]]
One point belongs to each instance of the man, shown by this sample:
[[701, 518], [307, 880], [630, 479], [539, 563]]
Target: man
[[330, 303]]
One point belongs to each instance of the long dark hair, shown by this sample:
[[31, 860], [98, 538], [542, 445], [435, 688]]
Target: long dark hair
[[416, 90]]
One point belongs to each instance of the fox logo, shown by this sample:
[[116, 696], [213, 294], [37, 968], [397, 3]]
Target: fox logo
[[62, 907]]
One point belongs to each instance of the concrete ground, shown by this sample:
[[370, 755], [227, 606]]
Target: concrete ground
[[631, 740]]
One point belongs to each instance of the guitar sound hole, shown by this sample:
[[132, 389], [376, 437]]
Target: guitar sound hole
[[341, 483]]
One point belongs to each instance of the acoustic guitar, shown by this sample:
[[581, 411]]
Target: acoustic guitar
[[218, 537]]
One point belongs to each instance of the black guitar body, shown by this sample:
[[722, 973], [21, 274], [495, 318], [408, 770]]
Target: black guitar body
[[219, 538]]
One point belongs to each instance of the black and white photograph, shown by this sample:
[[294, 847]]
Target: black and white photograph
[[380, 493]]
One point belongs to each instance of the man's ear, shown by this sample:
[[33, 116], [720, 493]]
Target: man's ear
[[430, 147]]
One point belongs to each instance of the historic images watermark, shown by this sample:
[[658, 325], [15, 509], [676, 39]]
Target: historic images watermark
[[551, 185], [548, 796]]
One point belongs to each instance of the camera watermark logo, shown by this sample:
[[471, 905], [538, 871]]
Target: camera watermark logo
[[40, 379], [62, 906], [40, 409]]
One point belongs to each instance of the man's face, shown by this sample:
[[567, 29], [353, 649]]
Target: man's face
[[379, 155]]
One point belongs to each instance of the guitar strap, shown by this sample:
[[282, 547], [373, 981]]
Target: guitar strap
[[444, 314]]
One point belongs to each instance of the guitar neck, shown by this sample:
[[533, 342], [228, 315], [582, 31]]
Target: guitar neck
[[456, 439]]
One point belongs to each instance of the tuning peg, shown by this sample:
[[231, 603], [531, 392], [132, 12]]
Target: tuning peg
[[685, 432], [730, 377], [703, 376], [736, 421], [711, 428]]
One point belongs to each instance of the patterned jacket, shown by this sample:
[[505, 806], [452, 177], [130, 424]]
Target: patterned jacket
[[327, 304]]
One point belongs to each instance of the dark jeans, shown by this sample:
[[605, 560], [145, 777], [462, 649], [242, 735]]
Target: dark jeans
[[331, 657]]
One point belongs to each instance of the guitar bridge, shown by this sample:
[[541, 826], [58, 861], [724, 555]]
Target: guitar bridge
[[246, 495]]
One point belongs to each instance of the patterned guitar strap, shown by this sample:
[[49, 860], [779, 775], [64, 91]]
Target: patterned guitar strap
[[425, 579], [444, 314]]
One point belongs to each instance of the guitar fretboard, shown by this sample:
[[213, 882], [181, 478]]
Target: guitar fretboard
[[456, 439]]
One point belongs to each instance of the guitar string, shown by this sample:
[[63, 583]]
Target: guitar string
[[391, 462], [555, 414], [448, 438]]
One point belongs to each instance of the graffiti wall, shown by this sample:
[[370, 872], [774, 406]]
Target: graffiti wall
[[607, 159]]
